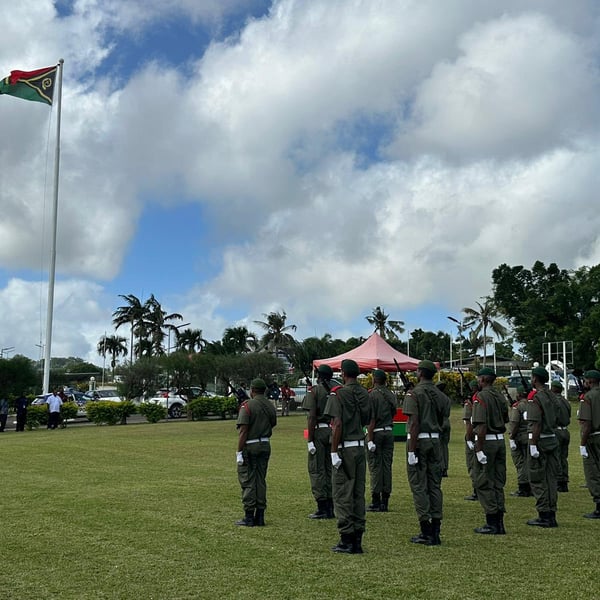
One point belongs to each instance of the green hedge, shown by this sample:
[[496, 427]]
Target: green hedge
[[110, 413], [37, 416], [153, 412], [219, 406]]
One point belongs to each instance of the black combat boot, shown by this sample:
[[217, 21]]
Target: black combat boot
[[595, 514], [345, 545], [523, 491], [436, 525], [357, 543], [329, 508], [562, 486], [552, 519], [472, 497], [543, 520], [248, 520], [490, 527], [385, 500], [425, 537], [321, 512], [259, 517], [375, 505], [500, 523]]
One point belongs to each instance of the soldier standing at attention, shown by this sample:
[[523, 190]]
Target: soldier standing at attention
[[445, 433], [256, 419], [380, 442], [470, 436], [563, 419], [490, 415], [348, 407], [543, 449], [319, 443], [519, 443], [424, 405], [589, 420]]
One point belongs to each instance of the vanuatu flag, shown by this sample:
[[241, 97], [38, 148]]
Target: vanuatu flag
[[30, 85]]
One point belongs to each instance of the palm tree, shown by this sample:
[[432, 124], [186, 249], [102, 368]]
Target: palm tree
[[239, 340], [276, 337], [483, 319], [131, 314], [386, 329], [155, 322], [114, 346], [188, 340]]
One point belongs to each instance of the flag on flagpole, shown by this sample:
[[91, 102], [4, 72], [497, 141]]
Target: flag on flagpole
[[35, 85]]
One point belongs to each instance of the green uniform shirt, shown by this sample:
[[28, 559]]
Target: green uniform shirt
[[541, 408], [491, 409], [351, 404], [428, 403], [383, 406], [589, 408], [517, 421], [467, 411], [563, 410], [260, 416], [316, 398]]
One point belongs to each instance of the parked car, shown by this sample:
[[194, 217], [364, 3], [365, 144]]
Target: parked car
[[95, 395], [174, 403]]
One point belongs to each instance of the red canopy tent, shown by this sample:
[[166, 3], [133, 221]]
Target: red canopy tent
[[375, 353]]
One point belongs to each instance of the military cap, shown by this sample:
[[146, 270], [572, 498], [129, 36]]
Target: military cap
[[541, 373], [379, 374], [258, 384], [592, 374], [325, 370], [427, 365], [473, 384], [556, 385], [350, 367], [486, 371]]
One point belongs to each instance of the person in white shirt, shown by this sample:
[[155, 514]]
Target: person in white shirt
[[54, 403]]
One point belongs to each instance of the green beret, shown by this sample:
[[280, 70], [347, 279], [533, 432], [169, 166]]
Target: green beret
[[541, 373], [379, 374], [351, 368], [486, 371], [427, 365], [556, 385], [325, 370], [473, 384], [592, 374], [258, 384]]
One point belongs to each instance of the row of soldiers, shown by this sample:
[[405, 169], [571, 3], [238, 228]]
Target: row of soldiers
[[339, 451]]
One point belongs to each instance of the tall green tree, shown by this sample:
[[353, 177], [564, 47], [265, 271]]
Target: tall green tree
[[386, 328], [277, 337], [189, 340], [156, 321], [113, 346], [484, 318], [238, 340]]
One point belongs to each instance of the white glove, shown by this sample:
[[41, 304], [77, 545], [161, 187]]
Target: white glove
[[512, 444], [413, 459], [371, 446], [336, 460], [583, 451], [470, 445], [239, 458], [481, 457], [533, 450], [312, 448]]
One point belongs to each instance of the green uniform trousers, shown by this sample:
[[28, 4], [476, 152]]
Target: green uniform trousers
[[470, 459], [349, 490], [319, 464], [425, 480], [252, 475], [591, 467], [542, 475], [490, 478], [519, 457], [380, 462], [444, 443], [564, 437]]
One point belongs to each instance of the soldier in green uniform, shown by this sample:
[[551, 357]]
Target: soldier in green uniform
[[319, 443], [589, 420], [256, 419], [445, 433], [519, 442], [380, 442], [470, 436], [563, 419], [543, 449], [490, 415], [425, 407], [348, 407]]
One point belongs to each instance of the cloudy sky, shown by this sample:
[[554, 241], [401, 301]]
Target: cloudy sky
[[322, 157]]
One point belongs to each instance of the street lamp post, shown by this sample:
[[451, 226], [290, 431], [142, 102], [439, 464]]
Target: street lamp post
[[7, 350], [460, 331], [176, 328]]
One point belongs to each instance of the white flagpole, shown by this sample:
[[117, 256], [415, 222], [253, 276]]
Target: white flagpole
[[52, 268]]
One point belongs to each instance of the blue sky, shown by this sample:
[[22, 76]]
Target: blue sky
[[322, 158]]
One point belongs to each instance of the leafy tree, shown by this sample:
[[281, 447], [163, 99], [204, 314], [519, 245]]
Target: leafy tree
[[430, 345], [245, 367], [483, 319], [387, 329], [189, 340], [156, 320], [140, 378], [237, 340], [17, 375], [132, 314], [114, 346], [277, 337]]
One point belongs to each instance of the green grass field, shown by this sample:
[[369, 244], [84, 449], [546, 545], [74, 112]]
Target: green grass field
[[147, 511]]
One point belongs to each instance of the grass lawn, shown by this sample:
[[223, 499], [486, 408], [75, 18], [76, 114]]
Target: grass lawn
[[147, 511]]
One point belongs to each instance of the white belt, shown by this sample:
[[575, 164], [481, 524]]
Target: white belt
[[382, 429], [322, 425], [423, 436], [595, 433], [493, 436], [351, 444], [563, 428], [546, 435], [257, 440]]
